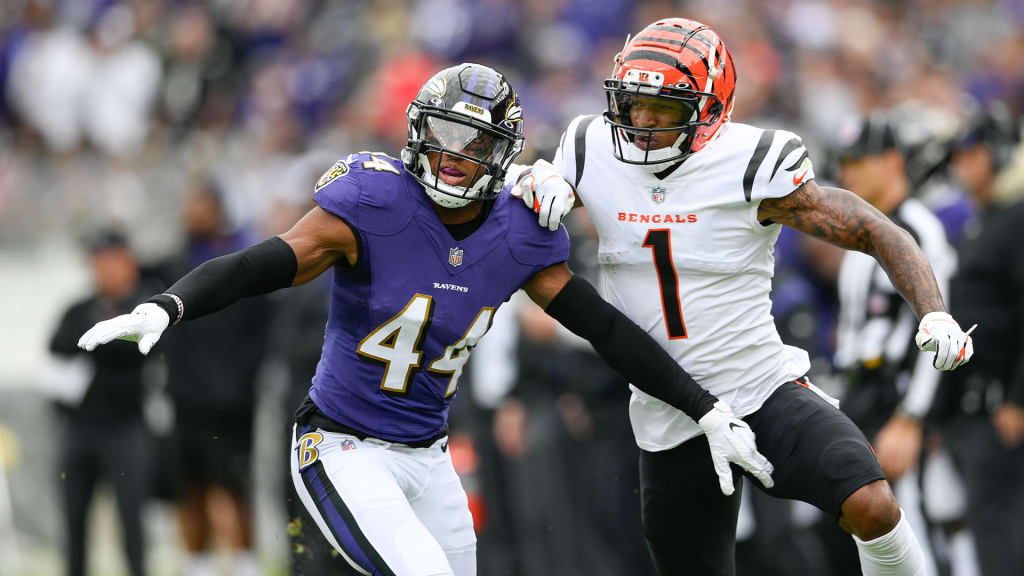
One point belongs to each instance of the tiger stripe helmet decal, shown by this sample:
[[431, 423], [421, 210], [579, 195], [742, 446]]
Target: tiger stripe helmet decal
[[677, 59]]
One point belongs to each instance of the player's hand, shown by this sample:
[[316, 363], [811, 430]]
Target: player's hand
[[939, 333], [732, 440], [545, 192], [144, 325]]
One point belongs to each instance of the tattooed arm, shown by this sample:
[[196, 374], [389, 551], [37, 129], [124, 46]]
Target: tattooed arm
[[842, 218]]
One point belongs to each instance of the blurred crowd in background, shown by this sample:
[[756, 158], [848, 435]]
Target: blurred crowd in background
[[139, 138]]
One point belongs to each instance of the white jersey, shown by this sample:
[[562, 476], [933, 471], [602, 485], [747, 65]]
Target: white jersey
[[876, 326], [687, 260]]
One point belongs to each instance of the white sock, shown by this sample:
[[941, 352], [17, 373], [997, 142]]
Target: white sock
[[200, 564], [894, 554]]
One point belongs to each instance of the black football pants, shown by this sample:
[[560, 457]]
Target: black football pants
[[819, 455]]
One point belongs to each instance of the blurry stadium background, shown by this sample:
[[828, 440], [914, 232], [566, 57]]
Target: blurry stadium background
[[112, 110]]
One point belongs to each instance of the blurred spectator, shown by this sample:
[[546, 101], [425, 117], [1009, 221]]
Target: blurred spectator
[[67, 86], [298, 337], [984, 408], [566, 421], [212, 366], [50, 72], [122, 85], [296, 340], [100, 400], [891, 385]]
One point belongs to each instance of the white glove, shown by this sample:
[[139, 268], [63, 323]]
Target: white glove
[[939, 333], [548, 194], [144, 325], [732, 440]]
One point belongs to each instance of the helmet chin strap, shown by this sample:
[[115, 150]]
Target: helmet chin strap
[[444, 200], [664, 157], [443, 194]]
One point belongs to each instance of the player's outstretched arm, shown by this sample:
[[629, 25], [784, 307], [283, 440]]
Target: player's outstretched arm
[[631, 351], [315, 243], [842, 218]]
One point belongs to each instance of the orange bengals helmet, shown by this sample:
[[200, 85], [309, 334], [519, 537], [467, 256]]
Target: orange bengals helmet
[[676, 59]]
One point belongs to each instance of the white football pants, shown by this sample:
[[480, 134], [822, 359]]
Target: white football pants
[[386, 508]]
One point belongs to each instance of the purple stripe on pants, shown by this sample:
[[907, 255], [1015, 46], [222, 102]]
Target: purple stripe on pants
[[341, 531]]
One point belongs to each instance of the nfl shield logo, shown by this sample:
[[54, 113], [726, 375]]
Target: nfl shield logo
[[347, 445], [658, 194], [455, 256]]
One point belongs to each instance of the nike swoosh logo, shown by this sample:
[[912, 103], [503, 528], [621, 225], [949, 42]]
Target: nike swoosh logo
[[733, 426], [444, 447], [797, 180]]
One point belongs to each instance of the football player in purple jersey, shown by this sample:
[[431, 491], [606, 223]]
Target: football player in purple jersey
[[422, 251]]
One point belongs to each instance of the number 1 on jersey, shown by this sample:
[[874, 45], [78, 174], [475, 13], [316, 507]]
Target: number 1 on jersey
[[660, 243]]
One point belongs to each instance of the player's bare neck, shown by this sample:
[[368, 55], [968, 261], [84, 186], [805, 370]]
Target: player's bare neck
[[459, 215]]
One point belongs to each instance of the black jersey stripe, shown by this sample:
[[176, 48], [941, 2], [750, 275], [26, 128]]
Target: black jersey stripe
[[791, 145], [799, 161], [581, 146], [755, 161]]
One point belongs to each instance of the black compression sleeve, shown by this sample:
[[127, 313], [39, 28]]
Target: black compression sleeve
[[627, 348], [215, 284]]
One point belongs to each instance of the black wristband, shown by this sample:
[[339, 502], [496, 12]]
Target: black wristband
[[171, 304], [215, 284], [627, 348]]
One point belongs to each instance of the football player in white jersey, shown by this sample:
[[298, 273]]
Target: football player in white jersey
[[688, 207]]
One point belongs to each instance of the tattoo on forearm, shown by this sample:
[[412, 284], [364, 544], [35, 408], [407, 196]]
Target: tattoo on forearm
[[842, 218]]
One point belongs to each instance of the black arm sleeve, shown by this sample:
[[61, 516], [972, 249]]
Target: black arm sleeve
[[215, 284], [627, 348]]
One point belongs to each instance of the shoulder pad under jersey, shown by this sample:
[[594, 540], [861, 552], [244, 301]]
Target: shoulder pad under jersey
[[368, 190], [530, 243]]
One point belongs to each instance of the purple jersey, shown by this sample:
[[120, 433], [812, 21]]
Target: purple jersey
[[404, 320]]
